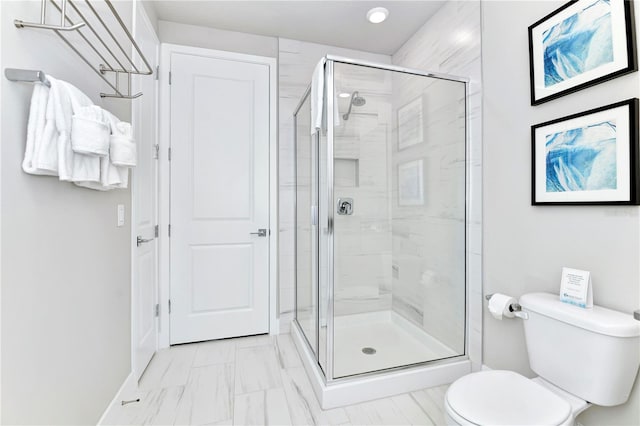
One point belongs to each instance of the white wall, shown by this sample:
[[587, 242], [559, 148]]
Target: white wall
[[525, 247], [152, 14], [449, 43], [66, 267], [212, 38]]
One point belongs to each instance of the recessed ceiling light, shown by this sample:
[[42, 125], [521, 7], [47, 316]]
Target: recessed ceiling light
[[377, 15], [344, 95]]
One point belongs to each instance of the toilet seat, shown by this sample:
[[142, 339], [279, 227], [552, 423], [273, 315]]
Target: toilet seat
[[500, 397]]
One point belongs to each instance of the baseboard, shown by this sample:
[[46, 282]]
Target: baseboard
[[128, 388]]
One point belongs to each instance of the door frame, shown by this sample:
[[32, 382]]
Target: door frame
[[164, 195], [139, 11]]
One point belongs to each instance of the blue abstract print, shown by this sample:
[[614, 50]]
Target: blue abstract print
[[582, 159], [578, 44]]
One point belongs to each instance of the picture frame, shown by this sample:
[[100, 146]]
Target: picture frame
[[411, 183], [587, 158], [583, 43], [410, 124]]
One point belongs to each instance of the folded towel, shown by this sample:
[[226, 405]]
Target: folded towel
[[318, 106], [36, 132], [78, 167], [111, 176], [123, 148], [89, 131]]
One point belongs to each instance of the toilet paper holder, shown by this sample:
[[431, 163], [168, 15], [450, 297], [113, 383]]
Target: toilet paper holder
[[514, 307]]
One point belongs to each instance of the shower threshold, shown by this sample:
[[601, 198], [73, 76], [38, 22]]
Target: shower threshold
[[395, 345]]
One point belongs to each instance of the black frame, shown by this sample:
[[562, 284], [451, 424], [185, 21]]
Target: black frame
[[634, 156], [632, 60]]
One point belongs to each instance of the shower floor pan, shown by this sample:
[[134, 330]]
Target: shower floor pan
[[396, 343]]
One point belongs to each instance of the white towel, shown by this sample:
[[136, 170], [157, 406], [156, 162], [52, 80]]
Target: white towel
[[111, 176], [36, 131], [318, 97], [123, 148], [46, 156], [78, 167], [89, 131]]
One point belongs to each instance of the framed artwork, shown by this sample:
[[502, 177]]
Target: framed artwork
[[411, 183], [587, 158], [583, 43], [410, 124]]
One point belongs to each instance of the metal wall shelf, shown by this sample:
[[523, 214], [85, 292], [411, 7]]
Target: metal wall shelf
[[97, 38]]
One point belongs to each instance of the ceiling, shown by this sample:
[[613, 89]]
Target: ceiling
[[336, 23]]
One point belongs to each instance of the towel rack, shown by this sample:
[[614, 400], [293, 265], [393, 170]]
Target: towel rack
[[97, 37], [32, 76]]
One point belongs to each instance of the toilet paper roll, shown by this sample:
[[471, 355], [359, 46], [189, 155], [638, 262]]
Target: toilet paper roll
[[499, 306]]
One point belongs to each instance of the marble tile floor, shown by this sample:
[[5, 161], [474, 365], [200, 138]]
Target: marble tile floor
[[256, 380]]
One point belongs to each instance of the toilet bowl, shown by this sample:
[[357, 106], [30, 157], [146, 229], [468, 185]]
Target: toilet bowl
[[499, 397], [579, 354]]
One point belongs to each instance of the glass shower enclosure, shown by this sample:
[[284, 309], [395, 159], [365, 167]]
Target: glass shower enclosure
[[381, 220]]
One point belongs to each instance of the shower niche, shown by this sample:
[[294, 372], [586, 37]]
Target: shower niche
[[381, 291]]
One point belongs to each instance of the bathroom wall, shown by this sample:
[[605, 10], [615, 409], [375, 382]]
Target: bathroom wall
[[212, 38], [525, 247], [65, 265], [297, 60], [428, 285], [150, 10]]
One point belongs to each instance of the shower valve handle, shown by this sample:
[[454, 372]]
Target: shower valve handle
[[345, 206]]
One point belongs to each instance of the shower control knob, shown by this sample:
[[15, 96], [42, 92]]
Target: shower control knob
[[345, 206]]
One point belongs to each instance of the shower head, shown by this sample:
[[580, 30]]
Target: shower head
[[356, 100]]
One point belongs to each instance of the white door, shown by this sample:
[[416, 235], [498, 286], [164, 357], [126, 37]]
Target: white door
[[219, 198], [144, 217]]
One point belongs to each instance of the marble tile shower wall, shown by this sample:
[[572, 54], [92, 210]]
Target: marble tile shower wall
[[448, 43], [362, 245], [297, 60]]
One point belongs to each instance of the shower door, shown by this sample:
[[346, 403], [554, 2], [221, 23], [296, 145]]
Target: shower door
[[398, 241], [306, 219]]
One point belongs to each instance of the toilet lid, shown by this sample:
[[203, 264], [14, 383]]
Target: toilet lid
[[499, 397]]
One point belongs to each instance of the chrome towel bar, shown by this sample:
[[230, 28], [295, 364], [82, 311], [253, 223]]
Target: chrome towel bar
[[30, 76]]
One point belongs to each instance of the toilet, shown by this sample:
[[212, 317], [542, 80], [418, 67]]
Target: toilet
[[583, 357]]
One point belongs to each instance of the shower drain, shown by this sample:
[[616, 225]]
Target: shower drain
[[368, 351]]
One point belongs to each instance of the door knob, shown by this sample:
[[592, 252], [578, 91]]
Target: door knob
[[262, 232]]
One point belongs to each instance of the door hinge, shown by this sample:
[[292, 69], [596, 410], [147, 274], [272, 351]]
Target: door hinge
[[169, 305], [169, 153], [156, 231], [156, 153], [169, 229], [157, 71], [157, 309], [169, 77]]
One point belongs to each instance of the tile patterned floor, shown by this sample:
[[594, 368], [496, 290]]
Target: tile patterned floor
[[255, 381]]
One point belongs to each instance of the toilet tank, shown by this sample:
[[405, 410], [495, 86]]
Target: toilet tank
[[591, 353]]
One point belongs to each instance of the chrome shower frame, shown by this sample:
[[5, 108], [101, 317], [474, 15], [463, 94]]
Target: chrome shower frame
[[327, 374]]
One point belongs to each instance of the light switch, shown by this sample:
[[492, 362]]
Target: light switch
[[120, 215]]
